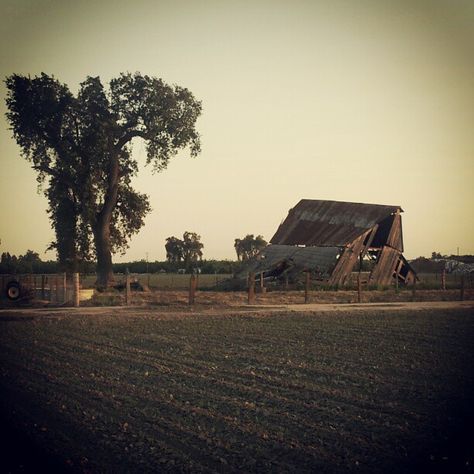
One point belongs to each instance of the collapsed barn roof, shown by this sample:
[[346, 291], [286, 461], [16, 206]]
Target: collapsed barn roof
[[329, 223], [289, 257], [329, 237]]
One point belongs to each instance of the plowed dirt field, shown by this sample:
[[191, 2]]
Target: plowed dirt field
[[347, 390]]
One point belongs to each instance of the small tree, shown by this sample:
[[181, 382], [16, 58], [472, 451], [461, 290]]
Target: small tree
[[249, 246], [188, 250], [174, 250], [192, 249]]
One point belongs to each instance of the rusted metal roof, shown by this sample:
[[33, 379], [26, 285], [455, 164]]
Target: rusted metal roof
[[319, 259], [329, 223]]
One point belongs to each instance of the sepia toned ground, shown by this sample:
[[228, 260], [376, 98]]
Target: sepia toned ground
[[170, 299], [227, 388]]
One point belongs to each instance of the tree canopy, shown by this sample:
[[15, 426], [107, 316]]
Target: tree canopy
[[249, 246], [188, 250], [81, 148]]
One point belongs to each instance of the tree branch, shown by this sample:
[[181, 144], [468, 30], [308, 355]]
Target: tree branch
[[124, 139]]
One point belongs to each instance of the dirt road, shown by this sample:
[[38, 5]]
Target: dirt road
[[183, 310]]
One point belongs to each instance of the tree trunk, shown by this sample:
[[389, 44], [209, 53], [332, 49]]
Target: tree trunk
[[66, 235], [105, 275]]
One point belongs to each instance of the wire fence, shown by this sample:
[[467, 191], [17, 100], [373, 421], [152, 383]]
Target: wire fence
[[61, 289]]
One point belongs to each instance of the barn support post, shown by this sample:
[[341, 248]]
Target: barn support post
[[76, 287], [192, 289], [128, 292], [307, 285], [251, 288], [462, 286], [443, 279]]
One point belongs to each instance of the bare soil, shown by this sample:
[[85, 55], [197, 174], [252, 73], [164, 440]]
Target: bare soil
[[307, 388]]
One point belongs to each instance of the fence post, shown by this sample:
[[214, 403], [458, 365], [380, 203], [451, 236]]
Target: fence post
[[286, 281], [443, 279], [413, 290], [128, 293], [64, 287], [251, 289], [192, 288], [306, 286], [359, 288], [76, 289], [43, 285], [57, 289], [462, 287]]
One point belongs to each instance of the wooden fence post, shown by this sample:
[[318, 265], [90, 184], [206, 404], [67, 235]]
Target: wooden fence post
[[413, 290], [76, 289], [359, 288], [128, 293], [57, 289], [462, 287], [43, 287], [306, 286], [192, 289], [286, 281], [251, 288], [64, 288], [443, 279]]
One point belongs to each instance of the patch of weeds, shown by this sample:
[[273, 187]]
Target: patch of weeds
[[107, 298]]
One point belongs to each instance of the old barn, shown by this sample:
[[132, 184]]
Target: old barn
[[331, 238]]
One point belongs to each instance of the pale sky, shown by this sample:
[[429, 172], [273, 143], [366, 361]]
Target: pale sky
[[363, 101]]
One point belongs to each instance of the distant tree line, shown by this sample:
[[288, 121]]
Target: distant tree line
[[184, 255], [205, 266], [31, 262], [436, 263]]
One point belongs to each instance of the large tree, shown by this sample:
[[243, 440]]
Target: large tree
[[81, 147]]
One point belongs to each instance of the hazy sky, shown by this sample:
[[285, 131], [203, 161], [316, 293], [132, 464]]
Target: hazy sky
[[364, 101]]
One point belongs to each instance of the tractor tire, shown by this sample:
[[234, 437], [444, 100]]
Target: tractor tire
[[13, 290]]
